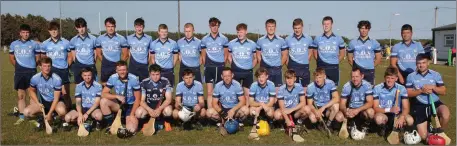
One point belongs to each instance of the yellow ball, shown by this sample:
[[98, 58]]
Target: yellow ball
[[264, 128]]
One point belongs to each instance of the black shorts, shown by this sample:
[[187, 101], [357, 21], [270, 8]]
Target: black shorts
[[76, 69], [140, 70], [244, 77], [213, 74], [64, 74], [106, 72], [195, 70], [275, 75], [368, 75], [127, 110], [169, 74], [423, 112], [404, 74], [333, 73], [453, 55], [47, 104], [22, 80], [302, 74]]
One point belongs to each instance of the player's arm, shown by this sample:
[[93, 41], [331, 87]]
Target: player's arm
[[284, 56], [377, 58], [226, 55], [343, 102], [283, 110], [405, 106], [202, 56], [335, 99], [12, 59], [301, 104], [175, 58], [377, 108], [255, 59], [215, 104], [315, 53], [166, 102], [341, 54], [143, 101], [253, 103], [98, 53], [368, 104], [125, 53], [258, 55], [240, 104], [201, 101], [54, 102], [440, 90], [229, 58], [33, 94], [137, 101], [70, 58], [152, 58], [351, 58], [413, 92], [393, 63], [178, 102], [106, 94]]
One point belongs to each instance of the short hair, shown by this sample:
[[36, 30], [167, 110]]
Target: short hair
[[227, 69], [327, 18], [85, 69], [319, 71], [214, 21], [421, 56], [187, 25], [25, 27], [241, 26], [297, 21], [406, 27], [121, 63], [261, 71], [139, 21], [80, 22], [110, 20], [163, 26], [45, 60], [155, 68], [355, 69], [391, 71], [363, 23], [289, 74], [53, 25], [271, 21], [187, 72]]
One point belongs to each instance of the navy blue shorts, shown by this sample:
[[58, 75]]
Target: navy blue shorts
[[245, 77], [333, 73], [368, 75], [169, 74], [22, 80], [422, 112], [275, 75], [106, 72], [213, 74], [64, 74], [76, 69], [140, 70], [47, 104], [302, 74]]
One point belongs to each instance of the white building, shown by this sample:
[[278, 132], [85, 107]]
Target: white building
[[443, 40]]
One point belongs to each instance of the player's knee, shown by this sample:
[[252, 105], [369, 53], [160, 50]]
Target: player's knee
[[278, 115], [339, 117], [409, 120], [270, 113], [97, 116], [104, 103], [202, 113], [380, 119], [335, 107], [68, 117], [139, 113], [61, 111], [175, 114], [27, 112], [312, 118], [370, 113], [307, 109], [253, 111], [167, 111]]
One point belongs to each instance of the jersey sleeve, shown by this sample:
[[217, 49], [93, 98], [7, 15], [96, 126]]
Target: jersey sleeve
[[310, 92], [136, 85], [67, 46], [314, 43], [283, 45], [272, 91], [351, 47], [346, 92], [175, 48], [403, 93], [376, 93], [110, 83], [225, 42], [280, 95], [72, 44], [11, 51], [332, 87], [43, 47], [203, 43], [179, 90], [78, 93], [409, 81], [33, 82], [216, 93], [376, 46], [252, 90], [301, 91], [36, 48], [57, 84], [123, 42], [200, 90], [258, 45], [98, 91], [151, 47], [369, 90], [394, 51], [239, 91], [98, 42], [341, 44], [420, 48], [439, 80]]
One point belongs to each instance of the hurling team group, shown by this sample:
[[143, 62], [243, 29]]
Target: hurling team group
[[143, 88]]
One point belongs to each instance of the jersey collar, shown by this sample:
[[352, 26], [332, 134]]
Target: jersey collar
[[363, 41], [24, 41], [389, 89], [217, 35], [83, 38], [260, 85], [90, 85], [189, 40], [328, 37], [299, 37], [320, 87], [111, 37], [227, 85], [189, 86], [163, 43], [55, 42], [407, 45], [272, 39], [290, 91], [49, 77], [238, 40], [139, 38], [425, 74], [355, 87]]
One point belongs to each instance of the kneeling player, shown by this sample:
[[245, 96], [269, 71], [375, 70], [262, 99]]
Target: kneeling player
[[262, 94], [323, 96], [87, 95], [189, 95], [384, 103], [126, 96], [45, 93], [229, 94], [356, 101]]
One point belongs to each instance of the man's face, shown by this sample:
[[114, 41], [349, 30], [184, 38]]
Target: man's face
[[54, 33], [406, 35], [188, 79], [25, 34], [214, 27], [87, 76], [290, 81], [422, 65], [45, 68], [227, 76], [81, 30], [298, 30], [155, 76], [110, 28], [327, 25], [356, 78], [390, 80], [320, 79], [364, 31], [163, 33], [139, 29], [122, 71], [271, 28], [189, 32], [262, 79], [241, 34]]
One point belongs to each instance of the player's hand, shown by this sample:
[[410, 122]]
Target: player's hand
[[288, 122], [395, 110], [288, 111], [197, 107], [155, 113], [120, 98], [350, 113], [85, 116], [64, 92], [80, 119], [319, 113], [399, 122], [48, 117], [178, 106], [41, 105], [230, 114]]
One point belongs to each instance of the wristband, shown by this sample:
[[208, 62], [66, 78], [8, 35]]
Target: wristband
[[387, 110]]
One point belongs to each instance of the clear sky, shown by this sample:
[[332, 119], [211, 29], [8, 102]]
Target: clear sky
[[346, 14]]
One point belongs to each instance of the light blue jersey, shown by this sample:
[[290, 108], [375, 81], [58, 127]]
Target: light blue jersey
[[406, 54], [242, 53], [189, 94], [111, 47], [190, 51], [291, 97], [321, 95], [364, 52], [262, 93], [386, 96], [214, 49], [328, 49], [139, 48], [46, 87], [84, 48], [356, 96], [57, 51], [298, 49], [119, 87], [24, 52], [416, 80], [228, 94], [163, 52], [88, 94], [271, 50]]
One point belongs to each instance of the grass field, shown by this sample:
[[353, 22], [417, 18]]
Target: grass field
[[23, 134]]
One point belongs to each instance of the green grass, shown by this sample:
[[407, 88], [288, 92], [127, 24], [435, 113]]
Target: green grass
[[24, 134]]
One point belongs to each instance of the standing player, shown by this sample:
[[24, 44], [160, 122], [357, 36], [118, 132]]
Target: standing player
[[139, 50], [228, 102], [262, 94], [189, 95], [404, 54], [82, 48], [364, 53], [272, 53], [329, 50], [164, 52], [109, 48], [58, 49], [420, 85], [126, 95], [298, 45], [356, 101], [384, 103], [214, 55], [155, 96], [87, 94], [44, 93], [189, 48], [24, 53], [242, 58], [323, 96]]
